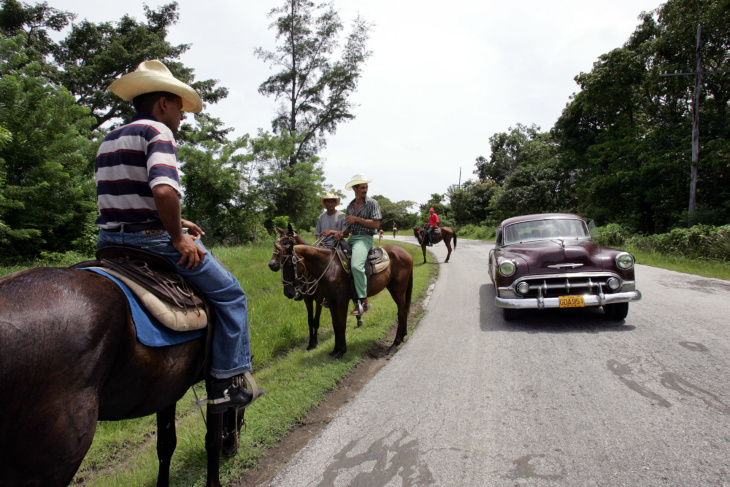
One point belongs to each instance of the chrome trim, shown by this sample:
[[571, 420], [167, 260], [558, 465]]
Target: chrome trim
[[549, 303], [569, 266]]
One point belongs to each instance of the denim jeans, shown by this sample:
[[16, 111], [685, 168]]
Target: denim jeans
[[231, 346], [361, 245]]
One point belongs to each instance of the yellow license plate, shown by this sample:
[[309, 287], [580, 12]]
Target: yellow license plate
[[571, 301]]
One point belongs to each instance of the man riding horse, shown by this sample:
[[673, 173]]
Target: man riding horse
[[363, 220], [139, 192]]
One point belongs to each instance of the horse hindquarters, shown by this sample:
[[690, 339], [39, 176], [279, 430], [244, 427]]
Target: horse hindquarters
[[56, 337]]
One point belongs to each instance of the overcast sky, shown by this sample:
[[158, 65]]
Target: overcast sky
[[443, 77]]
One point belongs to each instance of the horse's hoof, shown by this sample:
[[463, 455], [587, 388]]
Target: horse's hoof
[[359, 322], [337, 354], [229, 452], [311, 347]]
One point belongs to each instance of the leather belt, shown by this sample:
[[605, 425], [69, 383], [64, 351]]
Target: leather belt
[[137, 227]]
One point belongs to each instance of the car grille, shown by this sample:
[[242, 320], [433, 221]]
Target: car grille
[[551, 286]]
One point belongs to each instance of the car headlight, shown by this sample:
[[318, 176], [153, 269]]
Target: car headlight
[[625, 261], [507, 268]]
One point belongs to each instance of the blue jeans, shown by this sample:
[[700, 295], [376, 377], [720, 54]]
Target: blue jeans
[[361, 245], [231, 346]]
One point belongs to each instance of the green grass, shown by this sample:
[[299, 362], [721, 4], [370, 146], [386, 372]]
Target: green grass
[[124, 452], [706, 268]]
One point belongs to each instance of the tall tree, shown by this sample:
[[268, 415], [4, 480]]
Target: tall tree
[[313, 85], [315, 88]]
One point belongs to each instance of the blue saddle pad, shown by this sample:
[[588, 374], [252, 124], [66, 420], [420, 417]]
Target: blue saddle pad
[[149, 331]]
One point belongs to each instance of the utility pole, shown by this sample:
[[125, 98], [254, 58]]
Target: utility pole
[[694, 172]]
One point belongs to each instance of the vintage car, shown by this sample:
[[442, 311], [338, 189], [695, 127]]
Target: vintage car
[[550, 261]]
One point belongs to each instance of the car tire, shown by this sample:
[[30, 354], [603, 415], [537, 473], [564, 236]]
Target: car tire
[[617, 311], [509, 314]]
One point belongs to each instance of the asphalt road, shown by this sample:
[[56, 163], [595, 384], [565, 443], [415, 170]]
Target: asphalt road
[[558, 397]]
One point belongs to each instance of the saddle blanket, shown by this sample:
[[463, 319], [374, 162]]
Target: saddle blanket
[[149, 331]]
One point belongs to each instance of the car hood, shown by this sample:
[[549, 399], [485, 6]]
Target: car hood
[[559, 256]]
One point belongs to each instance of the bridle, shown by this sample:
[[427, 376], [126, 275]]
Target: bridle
[[307, 285]]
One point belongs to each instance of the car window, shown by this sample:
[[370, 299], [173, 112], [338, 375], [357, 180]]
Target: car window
[[545, 229]]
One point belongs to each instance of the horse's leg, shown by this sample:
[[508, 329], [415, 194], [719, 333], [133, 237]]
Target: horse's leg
[[401, 290], [447, 241], [423, 248], [213, 444], [313, 321], [338, 310], [166, 443], [233, 421]]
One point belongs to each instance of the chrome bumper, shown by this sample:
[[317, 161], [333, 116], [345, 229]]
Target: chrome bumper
[[589, 299]]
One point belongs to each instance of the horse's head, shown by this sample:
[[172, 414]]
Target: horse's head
[[282, 248], [418, 233]]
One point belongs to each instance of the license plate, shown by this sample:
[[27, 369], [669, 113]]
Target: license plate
[[571, 301]]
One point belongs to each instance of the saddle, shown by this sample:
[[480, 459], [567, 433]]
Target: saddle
[[378, 260], [154, 280]]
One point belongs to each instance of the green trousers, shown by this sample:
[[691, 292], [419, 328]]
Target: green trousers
[[361, 245]]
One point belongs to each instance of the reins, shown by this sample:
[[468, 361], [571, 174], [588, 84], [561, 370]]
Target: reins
[[307, 286]]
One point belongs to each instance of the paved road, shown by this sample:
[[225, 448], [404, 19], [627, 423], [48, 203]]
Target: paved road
[[555, 398]]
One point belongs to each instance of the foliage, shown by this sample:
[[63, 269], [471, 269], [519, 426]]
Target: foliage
[[627, 135], [477, 232], [396, 212], [471, 203], [697, 242], [314, 87], [46, 167]]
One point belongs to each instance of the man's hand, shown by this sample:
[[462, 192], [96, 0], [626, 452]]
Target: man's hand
[[189, 252], [193, 230]]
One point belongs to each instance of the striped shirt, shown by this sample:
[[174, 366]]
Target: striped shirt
[[131, 161], [370, 210]]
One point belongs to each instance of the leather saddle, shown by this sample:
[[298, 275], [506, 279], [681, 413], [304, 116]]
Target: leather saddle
[[378, 260], [176, 303]]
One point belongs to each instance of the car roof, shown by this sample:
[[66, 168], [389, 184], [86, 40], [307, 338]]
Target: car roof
[[540, 216]]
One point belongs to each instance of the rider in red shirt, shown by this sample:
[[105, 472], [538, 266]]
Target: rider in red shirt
[[433, 223]]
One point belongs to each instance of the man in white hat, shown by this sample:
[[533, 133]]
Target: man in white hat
[[363, 220], [138, 193], [331, 222]]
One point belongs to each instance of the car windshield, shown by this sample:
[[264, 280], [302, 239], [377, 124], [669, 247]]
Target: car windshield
[[545, 229]]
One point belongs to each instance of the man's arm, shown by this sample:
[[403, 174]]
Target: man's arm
[[168, 207]]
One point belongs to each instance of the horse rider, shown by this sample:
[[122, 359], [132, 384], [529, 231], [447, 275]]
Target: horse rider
[[331, 222], [363, 220], [433, 224], [138, 192]]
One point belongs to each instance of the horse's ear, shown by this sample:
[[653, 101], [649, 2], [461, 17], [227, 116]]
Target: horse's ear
[[280, 230], [291, 229]]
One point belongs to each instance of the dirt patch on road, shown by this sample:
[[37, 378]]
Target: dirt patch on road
[[277, 457]]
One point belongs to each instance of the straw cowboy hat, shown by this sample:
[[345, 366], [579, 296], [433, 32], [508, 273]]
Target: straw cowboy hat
[[151, 76], [329, 196], [356, 180]]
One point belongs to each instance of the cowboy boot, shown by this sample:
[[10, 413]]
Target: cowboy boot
[[231, 393]]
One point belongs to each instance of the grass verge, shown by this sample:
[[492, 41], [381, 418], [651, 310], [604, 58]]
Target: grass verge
[[123, 453], [700, 267]]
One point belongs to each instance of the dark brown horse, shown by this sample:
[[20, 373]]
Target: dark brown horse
[[69, 356], [312, 300], [446, 235], [317, 268]]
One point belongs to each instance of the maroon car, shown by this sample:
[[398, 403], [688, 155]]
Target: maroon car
[[550, 261]]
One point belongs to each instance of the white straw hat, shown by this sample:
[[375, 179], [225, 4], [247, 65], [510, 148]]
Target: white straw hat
[[151, 76], [357, 179], [329, 196]]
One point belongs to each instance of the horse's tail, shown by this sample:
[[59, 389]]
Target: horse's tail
[[454, 240]]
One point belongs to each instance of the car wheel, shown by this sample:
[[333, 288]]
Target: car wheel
[[616, 311], [509, 314]]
